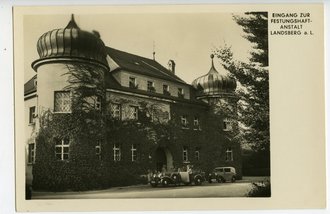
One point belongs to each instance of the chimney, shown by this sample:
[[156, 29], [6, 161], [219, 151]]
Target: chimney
[[171, 66]]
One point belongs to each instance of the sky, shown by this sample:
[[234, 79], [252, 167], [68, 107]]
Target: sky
[[188, 38]]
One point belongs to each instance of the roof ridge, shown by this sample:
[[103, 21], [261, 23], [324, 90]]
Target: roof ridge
[[130, 53]]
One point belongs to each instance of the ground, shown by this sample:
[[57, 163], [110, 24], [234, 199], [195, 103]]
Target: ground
[[237, 189]]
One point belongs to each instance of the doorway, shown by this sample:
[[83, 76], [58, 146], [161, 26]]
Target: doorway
[[163, 156]]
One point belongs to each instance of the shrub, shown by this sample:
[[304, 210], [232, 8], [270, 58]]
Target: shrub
[[260, 190]]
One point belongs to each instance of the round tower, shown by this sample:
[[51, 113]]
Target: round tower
[[58, 49], [218, 90]]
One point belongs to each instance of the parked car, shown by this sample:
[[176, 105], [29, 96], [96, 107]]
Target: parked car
[[222, 174], [184, 176]]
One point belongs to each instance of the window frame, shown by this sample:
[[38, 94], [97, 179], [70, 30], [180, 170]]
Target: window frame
[[98, 150], [185, 156], [227, 125], [184, 122], [132, 82], [31, 153], [62, 146], [116, 152], [229, 154], [197, 153], [70, 101], [181, 92], [134, 153], [98, 103], [135, 112], [32, 115], [197, 123], [113, 110], [166, 89], [151, 87]]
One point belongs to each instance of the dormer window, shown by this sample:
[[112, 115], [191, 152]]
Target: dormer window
[[132, 83], [180, 93], [166, 90], [151, 86]]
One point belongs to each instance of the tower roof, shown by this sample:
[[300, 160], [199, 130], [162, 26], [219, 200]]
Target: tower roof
[[71, 43], [214, 83]]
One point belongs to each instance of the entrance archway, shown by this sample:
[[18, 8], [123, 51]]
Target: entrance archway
[[163, 156]]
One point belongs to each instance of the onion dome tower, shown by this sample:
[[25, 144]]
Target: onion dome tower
[[214, 85], [59, 48], [218, 90], [71, 44]]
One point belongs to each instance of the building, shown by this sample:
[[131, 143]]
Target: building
[[149, 117]]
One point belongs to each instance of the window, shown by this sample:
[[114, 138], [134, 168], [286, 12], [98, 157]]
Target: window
[[184, 122], [151, 86], [116, 110], [98, 103], [32, 115], [132, 82], [197, 153], [196, 123], [166, 90], [180, 92], [185, 154], [134, 152], [227, 169], [62, 101], [98, 150], [116, 152], [62, 149], [31, 153], [219, 170], [133, 112], [227, 125], [229, 155]]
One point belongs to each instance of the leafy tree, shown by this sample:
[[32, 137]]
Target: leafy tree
[[253, 78]]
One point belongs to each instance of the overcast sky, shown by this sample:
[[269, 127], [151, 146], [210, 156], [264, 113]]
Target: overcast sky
[[188, 39]]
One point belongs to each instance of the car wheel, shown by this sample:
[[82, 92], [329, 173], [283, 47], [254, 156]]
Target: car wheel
[[210, 180], [176, 178], [153, 184], [165, 182], [233, 179], [198, 180]]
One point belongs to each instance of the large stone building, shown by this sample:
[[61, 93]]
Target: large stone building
[[190, 126]]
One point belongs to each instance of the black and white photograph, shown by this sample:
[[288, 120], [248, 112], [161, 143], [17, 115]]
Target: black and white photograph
[[146, 105], [168, 107]]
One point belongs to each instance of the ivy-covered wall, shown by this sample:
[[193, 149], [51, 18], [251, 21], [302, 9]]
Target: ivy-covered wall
[[85, 169]]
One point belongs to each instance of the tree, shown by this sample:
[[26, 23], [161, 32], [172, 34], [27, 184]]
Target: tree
[[253, 78]]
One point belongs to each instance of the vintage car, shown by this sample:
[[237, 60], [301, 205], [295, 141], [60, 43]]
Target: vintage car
[[184, 176], [222, 174]]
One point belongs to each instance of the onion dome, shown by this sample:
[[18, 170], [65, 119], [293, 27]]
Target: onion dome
[[214, 83], [71, 44]]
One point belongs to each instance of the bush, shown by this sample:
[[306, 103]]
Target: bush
[[260, 190]]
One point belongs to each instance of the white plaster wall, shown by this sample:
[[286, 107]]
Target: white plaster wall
[[123, 78], [51, 77]]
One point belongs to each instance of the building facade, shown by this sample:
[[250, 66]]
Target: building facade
[[147, 117]]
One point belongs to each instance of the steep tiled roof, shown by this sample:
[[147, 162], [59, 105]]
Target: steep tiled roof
[[29, 86], [141, 65]]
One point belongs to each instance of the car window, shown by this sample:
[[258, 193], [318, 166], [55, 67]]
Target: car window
[[218, 170], [227, 169]]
